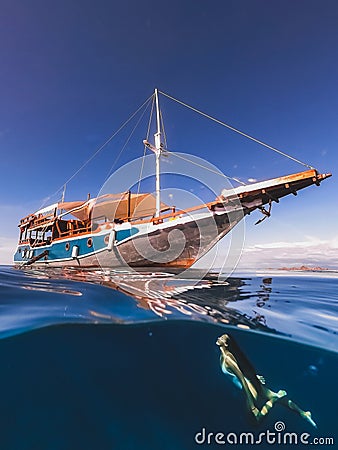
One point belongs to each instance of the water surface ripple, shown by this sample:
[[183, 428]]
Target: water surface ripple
[[300, 307]]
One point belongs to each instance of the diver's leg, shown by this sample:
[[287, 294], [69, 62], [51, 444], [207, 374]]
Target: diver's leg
[[273, 398], [305, 414]]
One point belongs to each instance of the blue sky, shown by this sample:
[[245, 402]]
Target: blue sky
[[72, 73]]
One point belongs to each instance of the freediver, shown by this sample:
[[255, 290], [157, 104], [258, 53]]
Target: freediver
[[235, 364]]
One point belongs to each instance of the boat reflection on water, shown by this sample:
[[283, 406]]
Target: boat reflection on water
[[168, 296]]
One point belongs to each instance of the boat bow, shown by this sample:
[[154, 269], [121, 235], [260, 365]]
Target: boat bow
[[257, 195]]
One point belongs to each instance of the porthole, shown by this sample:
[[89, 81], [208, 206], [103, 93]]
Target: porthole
[[67, 246], [106, 239], [89, 242]]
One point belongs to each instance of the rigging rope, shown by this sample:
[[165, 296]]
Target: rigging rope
[[163, 130], [128, 139], [145, 147], [205, 167], [177, 155], [97, 151], [152, 97], [237, 131]]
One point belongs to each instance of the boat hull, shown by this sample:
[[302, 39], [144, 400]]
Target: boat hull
[[175, 240], [176, 243]]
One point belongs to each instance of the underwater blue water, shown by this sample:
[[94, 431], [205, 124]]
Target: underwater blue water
[[108, 360]]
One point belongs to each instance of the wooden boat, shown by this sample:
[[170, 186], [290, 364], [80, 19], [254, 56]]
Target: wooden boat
[[133, 229]]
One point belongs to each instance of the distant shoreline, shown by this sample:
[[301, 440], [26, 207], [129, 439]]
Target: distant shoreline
[[307, 269]]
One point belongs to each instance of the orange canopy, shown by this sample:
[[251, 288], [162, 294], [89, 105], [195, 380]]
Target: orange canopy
[[128, 205], [113, 206]]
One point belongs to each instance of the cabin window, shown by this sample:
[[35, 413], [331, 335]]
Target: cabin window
[[32, 236], [48, 236], [99, 220], [40, 235], [62, 225]]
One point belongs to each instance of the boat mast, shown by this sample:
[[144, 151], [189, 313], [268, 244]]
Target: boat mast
[[63, 193], [158, 151]]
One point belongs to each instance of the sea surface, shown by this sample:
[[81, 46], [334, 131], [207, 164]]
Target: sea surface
[[118, 360]]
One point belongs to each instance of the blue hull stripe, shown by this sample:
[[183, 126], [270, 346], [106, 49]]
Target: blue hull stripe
[[57, 250]]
